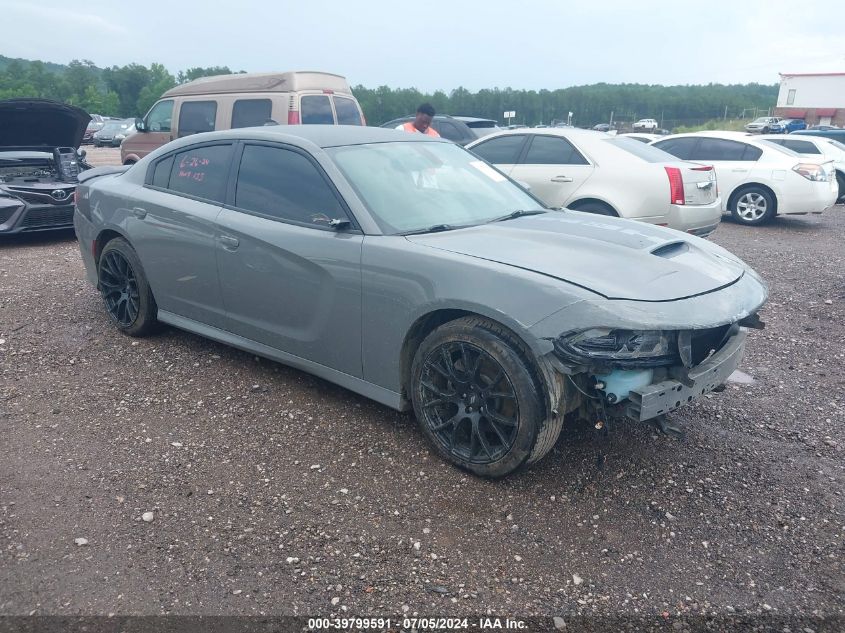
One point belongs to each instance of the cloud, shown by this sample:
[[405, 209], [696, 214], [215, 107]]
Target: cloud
[[63, 18]]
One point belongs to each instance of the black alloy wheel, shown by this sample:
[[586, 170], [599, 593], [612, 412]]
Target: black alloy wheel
[[478, 398], [469, 403], [125, 290]]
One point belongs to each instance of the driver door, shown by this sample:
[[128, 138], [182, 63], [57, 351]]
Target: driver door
[[288, 279]]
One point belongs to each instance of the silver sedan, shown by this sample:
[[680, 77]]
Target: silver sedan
[[408, 270]]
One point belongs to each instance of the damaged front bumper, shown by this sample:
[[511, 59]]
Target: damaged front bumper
[[687, 385]]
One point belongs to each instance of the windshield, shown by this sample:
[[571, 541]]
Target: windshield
[[648, 153], [417, 185]]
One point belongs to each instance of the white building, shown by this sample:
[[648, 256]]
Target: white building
[[818, 98]]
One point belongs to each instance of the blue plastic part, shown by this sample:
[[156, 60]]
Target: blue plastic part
[[619, 383]]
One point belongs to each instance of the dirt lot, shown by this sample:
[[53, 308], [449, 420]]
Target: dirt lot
[[273, 492]]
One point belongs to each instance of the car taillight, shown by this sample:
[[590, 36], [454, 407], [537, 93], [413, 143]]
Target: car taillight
[[293, 117], [676, 185], [811, 171]]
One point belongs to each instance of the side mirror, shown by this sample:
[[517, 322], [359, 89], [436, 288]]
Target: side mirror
[[140, 125], [82, 153]]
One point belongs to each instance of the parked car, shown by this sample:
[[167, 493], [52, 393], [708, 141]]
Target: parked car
[[643, 137], [222, 102], [114, 132], [608, 175], [824, 128], [94, 125], [762, 125], [479, 127], [602, 127], [817, 147], [757, 179], [837, 134], [785, 126], [646, 124], [405, 269], [40, 161], [446, 126]]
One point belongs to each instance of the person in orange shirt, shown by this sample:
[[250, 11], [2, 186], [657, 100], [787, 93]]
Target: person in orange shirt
[[422, 122]]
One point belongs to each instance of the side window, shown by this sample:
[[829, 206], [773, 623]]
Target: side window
[[680, 147], [503, 150], [196, 117], [249, 112], [551, 150], [284, 184], [448, 130], [751, 153], [160, 117], [718, 149], [161, 173], [802, 147], [347, 111], [316, 110], [201, 172]]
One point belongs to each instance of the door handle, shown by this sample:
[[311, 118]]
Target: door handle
[[561, 179], [229, 243], [139, 213]]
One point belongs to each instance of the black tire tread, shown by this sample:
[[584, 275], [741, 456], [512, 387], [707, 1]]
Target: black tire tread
[[146, 323]]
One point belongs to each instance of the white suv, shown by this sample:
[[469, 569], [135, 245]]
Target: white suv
[[758, 179], [645, 124]]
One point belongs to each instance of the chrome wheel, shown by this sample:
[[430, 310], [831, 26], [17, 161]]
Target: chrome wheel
[[752, 206]]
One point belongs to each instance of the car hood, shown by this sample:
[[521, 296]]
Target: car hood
[[618, 259], [41, 123]]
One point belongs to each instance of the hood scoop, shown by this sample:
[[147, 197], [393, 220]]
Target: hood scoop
[[671, 249]]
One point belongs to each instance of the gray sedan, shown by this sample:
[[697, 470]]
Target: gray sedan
[[406, 269]]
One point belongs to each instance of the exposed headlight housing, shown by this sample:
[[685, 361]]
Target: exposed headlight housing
[[622, 348]]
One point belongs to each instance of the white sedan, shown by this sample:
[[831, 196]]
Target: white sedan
[[816, 147], [758, 179], [645, 124], [608, 175]]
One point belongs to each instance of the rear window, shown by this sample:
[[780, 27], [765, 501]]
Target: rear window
[[250, 112], [502, 150], [347, 111], [779, 148], [316, 110], [448, 130], [482, 123], [802, 147], [640, 149], [723, 149], [201, 172]]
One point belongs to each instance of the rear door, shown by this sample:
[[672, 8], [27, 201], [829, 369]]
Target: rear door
[[553, 167], [289, 280], [172, 227], [502, 151]]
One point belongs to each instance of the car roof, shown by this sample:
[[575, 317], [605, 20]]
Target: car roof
[[472, 119], [571, 132], [319, 135]]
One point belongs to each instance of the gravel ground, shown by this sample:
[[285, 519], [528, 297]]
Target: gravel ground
[[205, 480]]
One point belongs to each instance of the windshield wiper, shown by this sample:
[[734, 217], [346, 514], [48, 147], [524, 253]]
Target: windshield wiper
[[437, 228], [518, 214]]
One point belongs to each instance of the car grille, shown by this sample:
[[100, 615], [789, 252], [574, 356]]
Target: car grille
[[38, 218], [43, 196], [7, 213]]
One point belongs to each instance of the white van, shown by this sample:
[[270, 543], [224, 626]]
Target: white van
[[223, 102]]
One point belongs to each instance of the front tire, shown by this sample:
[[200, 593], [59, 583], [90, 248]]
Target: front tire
[[125, 290], [477, 399], [753, 206]]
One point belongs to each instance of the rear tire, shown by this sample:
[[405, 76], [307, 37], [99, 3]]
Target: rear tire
[[126, 293], [477, 399], [753, 206]]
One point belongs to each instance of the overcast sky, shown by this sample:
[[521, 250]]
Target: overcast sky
[[442, 45]]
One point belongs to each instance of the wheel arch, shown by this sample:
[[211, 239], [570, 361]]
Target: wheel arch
[[575, 204], [104, 237], [748, 185], [430, 321]]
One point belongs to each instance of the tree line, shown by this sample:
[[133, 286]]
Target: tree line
[[130, 90]]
